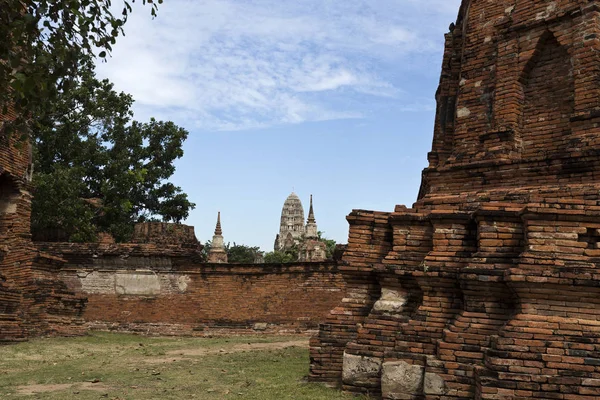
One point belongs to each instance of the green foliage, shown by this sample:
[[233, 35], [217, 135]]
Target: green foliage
[[329, 243], [42, 42], [291, 255], [236, 253], [205, 250], [72, 214], [117, 168], [242, 254], [279, 257]]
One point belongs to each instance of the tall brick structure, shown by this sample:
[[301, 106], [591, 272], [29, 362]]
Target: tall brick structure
[[217, 252], [487, 287], [33, 300]]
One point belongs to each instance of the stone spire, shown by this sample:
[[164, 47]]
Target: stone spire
[[291, 226], [311, 213], [218, 231], [311, 248], [217, 253], [311, 224]]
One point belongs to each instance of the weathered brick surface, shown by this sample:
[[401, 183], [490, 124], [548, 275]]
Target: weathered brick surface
[[494, 269], [166, 289], [33, 300], [368, 242], [166, 234]]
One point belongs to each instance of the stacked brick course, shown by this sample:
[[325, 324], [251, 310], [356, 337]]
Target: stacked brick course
[[487, 287], [166, 234], [368, 243], [33, 300], [155, 284], [168, 290]]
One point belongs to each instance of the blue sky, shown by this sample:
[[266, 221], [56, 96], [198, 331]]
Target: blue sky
[[330, 98]]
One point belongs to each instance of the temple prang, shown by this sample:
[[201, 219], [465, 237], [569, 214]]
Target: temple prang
[[291, 227], [487, 287], [294, 235], [217, 252]]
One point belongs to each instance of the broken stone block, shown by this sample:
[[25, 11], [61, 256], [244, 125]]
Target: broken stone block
[[358, 369], [260, 326], [399, 379]]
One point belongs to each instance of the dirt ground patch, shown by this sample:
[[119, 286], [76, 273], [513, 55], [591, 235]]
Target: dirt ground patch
[[126, 366], [181, 354], [75, 386]]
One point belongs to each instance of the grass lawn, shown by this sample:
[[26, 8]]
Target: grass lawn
[[119, 366]]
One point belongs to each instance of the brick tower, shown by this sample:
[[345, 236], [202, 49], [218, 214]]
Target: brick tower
[[488, 287], [33, 300]]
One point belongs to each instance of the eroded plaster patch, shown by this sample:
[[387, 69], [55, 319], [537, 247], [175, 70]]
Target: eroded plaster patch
[[463, 112]]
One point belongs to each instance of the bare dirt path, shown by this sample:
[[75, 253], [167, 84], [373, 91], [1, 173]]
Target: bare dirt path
[[181, 354], [75, 386], [169, 357]]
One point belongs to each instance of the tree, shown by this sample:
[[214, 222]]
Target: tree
[[99, 171], [242, 254], [279, 257], [205, 250], [71, 217], [42, 42], [329, 245], [292, 254], [236, 253]]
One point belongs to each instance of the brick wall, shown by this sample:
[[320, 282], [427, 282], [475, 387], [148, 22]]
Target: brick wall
[[368, 242], [33, 301], [487, 287], [141, 287], [166, 234]]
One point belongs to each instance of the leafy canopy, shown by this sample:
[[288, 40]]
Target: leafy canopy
[[236, 253], [97, 170], [43, 41], [279, 257], [329, 245], [239, 253], [292, 254]]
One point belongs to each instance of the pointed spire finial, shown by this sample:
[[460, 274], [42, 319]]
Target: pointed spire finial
[[218, 231], [311, 213]]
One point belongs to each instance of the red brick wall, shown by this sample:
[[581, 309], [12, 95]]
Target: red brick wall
[[141, 287], [488, 285], [231, 297], [33, 301], [368, 241]]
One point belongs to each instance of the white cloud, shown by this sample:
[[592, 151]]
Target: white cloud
[[235, 64]]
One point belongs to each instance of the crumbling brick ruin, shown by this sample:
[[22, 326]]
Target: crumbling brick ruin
[[156, 284], [33, 300], [160, 285], [487, 287]]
